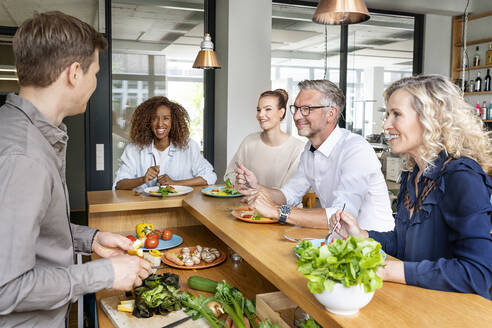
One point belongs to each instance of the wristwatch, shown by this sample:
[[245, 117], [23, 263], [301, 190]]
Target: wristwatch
[[284, 214]]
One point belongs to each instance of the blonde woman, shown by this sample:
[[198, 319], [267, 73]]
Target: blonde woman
[[443, 223], [272, 154]]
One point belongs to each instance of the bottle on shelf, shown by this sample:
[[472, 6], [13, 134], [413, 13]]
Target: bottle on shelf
[[478, 110], [486, 84], [478, 83], [488, 55], [484, 110], [471, 85], [476, 58], [489, 111]]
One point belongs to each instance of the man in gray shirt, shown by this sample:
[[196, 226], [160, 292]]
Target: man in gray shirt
[[57, 61]]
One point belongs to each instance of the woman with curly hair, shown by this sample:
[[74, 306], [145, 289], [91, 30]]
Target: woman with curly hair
[[161, 150], [259, 150], [443, 223]]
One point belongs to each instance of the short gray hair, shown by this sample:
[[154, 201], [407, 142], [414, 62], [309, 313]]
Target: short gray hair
[[332, 95]]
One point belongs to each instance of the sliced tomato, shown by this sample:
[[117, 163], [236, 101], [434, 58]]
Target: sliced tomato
[[132, 238], [247, 216], [151, 242], [167, 234]]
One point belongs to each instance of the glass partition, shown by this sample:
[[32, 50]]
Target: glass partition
[[380, 51], [154, 46], [299, 52]]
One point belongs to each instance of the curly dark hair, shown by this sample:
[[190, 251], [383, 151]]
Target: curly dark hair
[[141, 131]]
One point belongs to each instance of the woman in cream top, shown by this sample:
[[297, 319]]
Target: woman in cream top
[[272, 154]]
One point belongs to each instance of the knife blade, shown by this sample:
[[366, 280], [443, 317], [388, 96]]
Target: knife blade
[[177, 323]]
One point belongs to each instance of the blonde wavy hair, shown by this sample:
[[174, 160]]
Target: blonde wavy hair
[[448, 121]]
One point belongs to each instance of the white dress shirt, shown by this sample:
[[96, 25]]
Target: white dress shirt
[[344, 169], [182, 163]]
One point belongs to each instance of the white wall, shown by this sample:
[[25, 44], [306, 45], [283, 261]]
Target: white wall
[[243, 31], [437, 44]]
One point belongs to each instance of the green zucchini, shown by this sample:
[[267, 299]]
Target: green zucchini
[[203, 284]]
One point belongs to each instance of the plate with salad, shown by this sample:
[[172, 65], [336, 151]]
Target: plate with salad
[[222, 191], [248, 214], [167, 191]]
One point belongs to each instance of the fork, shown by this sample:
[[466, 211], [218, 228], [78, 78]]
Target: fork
[[297, 239], [329, 236], [155, 163], [246, 183]]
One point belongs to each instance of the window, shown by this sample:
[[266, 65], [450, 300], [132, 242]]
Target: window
[[154, 47], [298, 51], [380, 51]]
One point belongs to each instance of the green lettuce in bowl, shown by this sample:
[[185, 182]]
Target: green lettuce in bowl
[[350, 262]]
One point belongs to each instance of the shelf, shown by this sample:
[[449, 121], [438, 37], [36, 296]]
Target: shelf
[[473, 68], [478, 93], [476, 16], [487, 121], [473, 42]]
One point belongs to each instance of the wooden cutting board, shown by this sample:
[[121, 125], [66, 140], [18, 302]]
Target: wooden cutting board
[[127, 320]]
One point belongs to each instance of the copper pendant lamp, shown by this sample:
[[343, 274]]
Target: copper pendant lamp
[[206, 58], [337, 12]]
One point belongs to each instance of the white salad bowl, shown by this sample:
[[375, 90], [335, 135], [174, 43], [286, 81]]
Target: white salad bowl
[[344, 300]]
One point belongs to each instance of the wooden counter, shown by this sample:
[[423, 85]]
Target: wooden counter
[[262, 246], [122, 210]]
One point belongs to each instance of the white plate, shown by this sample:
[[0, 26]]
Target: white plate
[[181, 190]]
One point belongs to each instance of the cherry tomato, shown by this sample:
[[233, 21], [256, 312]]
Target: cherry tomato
[[153, 234], [132, 238], [167, 234], [151, 242], [322, 243], [158, 232]]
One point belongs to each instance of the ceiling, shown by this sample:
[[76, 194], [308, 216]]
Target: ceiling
[[175, 29]]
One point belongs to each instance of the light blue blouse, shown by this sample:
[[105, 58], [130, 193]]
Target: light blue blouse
[[184, 163]]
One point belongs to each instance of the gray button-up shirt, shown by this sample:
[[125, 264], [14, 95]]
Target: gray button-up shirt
[[38, 277]]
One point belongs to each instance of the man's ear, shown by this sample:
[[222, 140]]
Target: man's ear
[[333, 112], [74, 73]]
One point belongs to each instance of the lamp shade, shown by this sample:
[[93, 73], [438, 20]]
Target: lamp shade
[[336, 12], [206, 58]]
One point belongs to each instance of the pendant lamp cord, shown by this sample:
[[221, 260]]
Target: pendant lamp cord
[[326, 53]]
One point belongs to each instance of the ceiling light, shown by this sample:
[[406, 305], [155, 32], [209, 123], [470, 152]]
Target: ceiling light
[[337, 12], [206, 58]]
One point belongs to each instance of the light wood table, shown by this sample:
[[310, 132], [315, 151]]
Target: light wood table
[[122, 210], [262, 247]]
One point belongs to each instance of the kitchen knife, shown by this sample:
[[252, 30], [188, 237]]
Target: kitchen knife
[[177, 323]]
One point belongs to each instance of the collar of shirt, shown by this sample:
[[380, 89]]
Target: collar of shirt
[[327, 146], [150, 151], [432, 172], [52, 133]]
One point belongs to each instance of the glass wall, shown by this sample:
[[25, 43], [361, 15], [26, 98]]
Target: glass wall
[[154, 46], [298, 51], [380, 51]]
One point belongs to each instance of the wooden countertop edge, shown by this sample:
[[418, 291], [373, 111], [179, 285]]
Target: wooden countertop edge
[[137, 205], [266, 272]]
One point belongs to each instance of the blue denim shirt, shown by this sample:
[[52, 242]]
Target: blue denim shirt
[[446, 245], [184, 163]]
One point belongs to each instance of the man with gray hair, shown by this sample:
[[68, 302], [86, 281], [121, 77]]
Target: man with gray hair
[[341, 167]]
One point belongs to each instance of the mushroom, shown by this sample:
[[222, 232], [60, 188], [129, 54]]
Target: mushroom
[[196, 260], [188, 262]]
